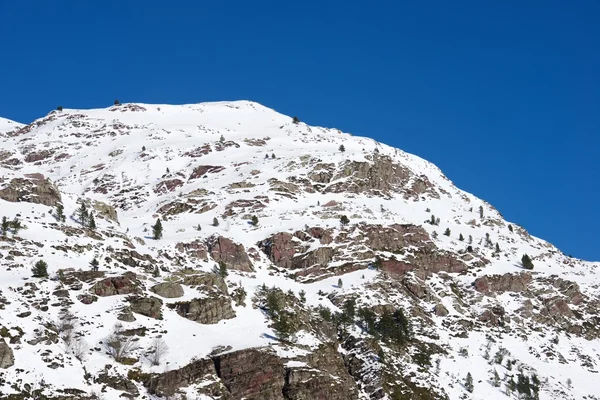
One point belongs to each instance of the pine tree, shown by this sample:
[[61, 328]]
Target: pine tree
[[302, 295], [16, 226], [273, 156], [40, 269], [497, 248], [60, 212], [469, 383], [296, 120], [59, 108], [342, 148], [461, 237], [340, 283], [470, 239], [117, 102], [215, 221], [157, 230], [344, 220], [5, 225], [496, 379], [222, 272], [92, 222], [434, 235], [254, 221], [447, 232], [510, 228], [222, 139], [481, 212], [82, 212], [156, 272], [527, 263], [198, 227], [432, 221], [94, 264]]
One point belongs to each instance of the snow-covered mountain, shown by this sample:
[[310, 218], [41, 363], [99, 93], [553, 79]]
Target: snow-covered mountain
[[6, 125], [296, 262]]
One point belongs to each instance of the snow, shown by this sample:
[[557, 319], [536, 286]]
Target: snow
[[169, 131]]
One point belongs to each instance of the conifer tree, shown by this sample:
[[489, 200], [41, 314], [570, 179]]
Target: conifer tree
[[481, 212], [470, 239], [82, 213], [222, 270], [5, 225], [461, 237], [527, 263], [215, 221], [497, 248], [432, 222], [60, 212], [469, 383], [273, 156], [92, 222], [222, 139], [447, 232], [254, 220], [510, 228], [342, 148], [496, 379], [40, 269], [344, 220], [296, 120], [94, 264], [340, 283], [16, 225], [157, 230]]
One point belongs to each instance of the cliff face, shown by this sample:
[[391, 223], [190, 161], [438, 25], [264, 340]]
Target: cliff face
[[289, 268]]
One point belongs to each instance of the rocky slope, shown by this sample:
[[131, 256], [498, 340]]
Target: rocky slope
[[422, 285]]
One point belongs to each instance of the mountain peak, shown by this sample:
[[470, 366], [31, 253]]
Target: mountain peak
[[290, 261]]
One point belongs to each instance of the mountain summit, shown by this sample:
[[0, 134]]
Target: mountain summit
[[227, 251]]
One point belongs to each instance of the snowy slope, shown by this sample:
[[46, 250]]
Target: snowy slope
[[6, 125], [231, 160]]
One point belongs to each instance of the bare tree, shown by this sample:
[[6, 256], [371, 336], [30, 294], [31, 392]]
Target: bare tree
[[118, 345], [158, 350], [79, 349]]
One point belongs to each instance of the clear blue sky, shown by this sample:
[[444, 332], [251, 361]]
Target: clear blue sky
[[504, 96]]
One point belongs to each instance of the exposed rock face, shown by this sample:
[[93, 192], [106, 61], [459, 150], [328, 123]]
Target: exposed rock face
[[7, 358], [168, 290], [148, 306], [232, 254], [195, 250], [31, 190], [502, 283], [206, 280], [125, 284], [208, 310], [105, 211], [197, 371], [325, 378], [202, 170], [252, 374]]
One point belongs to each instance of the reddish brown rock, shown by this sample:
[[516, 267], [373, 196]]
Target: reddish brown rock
[[503, 283], [196, 250], [202, 170], [233, 255], [125, 284], [252, 374], [31, 190], [167, 186]]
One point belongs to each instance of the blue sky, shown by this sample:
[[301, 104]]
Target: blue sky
[[504, 96]]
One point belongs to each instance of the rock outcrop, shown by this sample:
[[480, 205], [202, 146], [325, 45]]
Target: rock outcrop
[[207, 310], [232, 254], [148, 306], [35, 189], [125, 284], [168, 290]]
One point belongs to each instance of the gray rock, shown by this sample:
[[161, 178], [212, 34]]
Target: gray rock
[[7, 357], [168, 290]]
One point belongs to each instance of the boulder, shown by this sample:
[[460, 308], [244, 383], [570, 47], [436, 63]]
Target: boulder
[[490, 284], [196, 250], [31, 190], [125, 284], [233, 255], [440, 310], [148, 306], [105, 211], [168, 290], [7, 357]]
